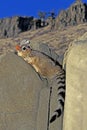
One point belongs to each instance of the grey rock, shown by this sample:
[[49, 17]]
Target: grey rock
[[44, 48], [74, 15], [20, 88], [13, 26], [24, 97], [75, 116]]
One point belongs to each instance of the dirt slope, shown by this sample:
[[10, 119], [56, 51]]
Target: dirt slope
[[58, 40]]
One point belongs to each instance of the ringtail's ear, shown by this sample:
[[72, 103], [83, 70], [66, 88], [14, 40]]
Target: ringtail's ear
[[25, 42]]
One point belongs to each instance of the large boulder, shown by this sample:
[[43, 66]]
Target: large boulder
[[75, 117], [24, 97], [20, 88]]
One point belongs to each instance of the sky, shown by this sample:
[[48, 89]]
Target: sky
[[10, 8]]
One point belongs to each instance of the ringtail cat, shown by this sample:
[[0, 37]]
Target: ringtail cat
[[48, 68]]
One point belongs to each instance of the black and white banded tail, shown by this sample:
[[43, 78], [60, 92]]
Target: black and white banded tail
[[60, 79]]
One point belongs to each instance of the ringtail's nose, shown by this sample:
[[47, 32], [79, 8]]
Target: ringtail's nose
[[17, 47]]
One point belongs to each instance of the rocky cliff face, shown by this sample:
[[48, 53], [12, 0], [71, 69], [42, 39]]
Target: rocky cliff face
[[14, 25], [76, 14], [11, 27]]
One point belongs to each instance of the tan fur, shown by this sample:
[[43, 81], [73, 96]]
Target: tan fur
[[41, 63]]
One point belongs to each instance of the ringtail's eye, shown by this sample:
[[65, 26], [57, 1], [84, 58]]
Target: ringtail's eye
[[23, 48]]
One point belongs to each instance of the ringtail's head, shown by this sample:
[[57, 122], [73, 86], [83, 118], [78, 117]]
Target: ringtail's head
[[23, 49]]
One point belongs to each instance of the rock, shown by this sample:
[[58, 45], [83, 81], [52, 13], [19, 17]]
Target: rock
[[24, 97], [74, 15], [75, 117], [44, 48], [20, 88], [13, 26]]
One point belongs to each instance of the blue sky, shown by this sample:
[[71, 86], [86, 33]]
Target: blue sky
[[31, 7]]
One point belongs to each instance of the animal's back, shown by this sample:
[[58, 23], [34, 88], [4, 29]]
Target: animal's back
[[49, 69], [46, 67]]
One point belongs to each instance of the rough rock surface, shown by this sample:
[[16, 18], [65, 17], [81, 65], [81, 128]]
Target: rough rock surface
[[74, 15], [20, 88], [13, 26], [24, 97], [75, 117]]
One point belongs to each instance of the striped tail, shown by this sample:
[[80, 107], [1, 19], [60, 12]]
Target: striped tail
[[60, 79]]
